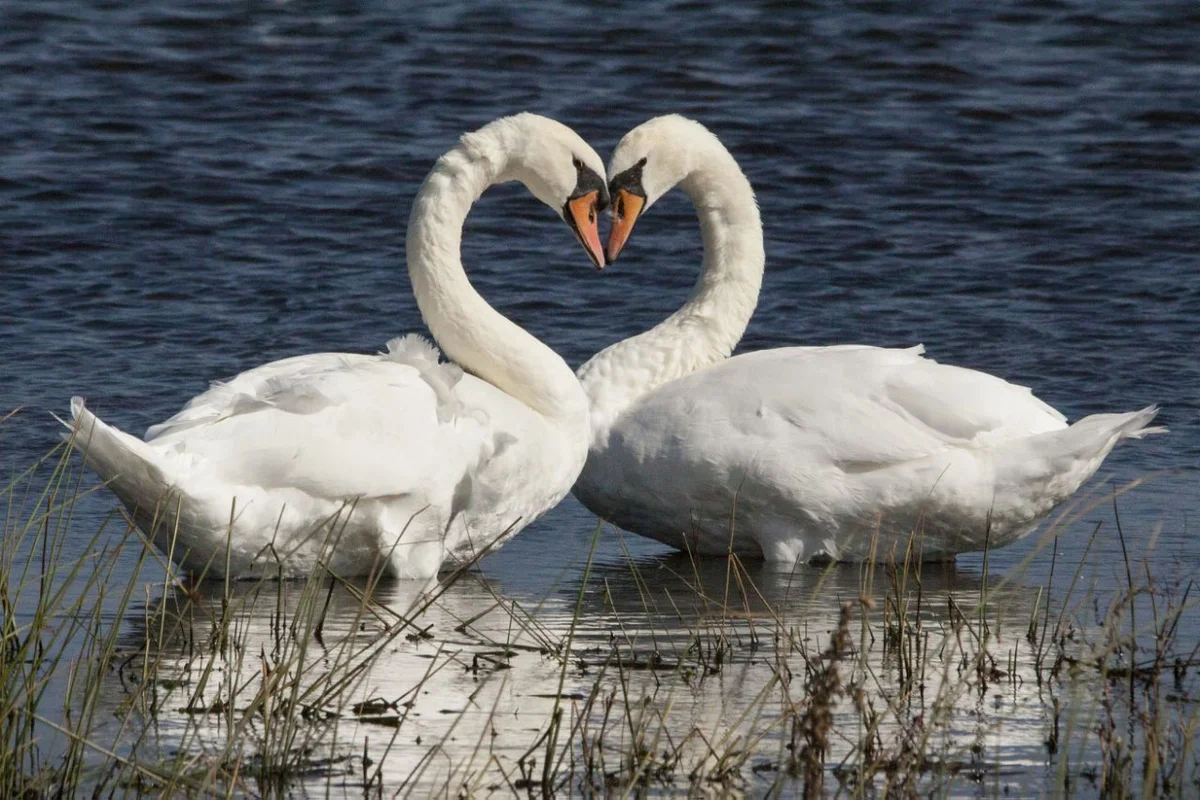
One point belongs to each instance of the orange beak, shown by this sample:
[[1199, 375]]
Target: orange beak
[[584, 218], [627, 207]]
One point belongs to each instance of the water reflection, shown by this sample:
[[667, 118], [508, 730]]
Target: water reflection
[[689, 666], [762, 624]]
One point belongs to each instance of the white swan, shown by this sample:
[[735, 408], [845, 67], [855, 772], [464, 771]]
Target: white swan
[[803, 453], [392, 459]]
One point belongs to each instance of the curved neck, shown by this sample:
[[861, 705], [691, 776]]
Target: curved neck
[[708, 326], [470, 331]]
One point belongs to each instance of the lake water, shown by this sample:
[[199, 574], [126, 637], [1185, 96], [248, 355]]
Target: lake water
[[189, 190]]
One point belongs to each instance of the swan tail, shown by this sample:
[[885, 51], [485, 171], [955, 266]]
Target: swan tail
[[1112, 428], [1077, 452], [128, 466], [1059, 462], [1034, 474]]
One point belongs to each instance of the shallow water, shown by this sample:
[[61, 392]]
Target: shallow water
[[189, 191], [695, 663]]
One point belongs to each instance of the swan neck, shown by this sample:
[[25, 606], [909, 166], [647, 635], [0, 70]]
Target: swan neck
[[709, 325], [469, 331], [726, 292]]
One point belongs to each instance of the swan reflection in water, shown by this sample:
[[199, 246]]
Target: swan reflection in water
[[456, 688]]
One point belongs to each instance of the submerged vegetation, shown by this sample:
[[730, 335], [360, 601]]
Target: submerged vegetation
[[639, 676]]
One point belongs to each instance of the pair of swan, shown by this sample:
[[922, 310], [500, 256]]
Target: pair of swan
[[793, 454]]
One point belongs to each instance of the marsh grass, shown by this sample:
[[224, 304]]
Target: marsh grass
[[632, 677]]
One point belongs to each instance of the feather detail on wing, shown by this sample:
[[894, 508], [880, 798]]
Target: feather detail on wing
[[253, 388], [861, 407], [335, 425], [417, 351]]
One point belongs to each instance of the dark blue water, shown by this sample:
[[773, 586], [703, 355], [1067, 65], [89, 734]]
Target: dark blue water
[[189, 190]]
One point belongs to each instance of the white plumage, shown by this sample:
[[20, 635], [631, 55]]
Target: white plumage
[[806, 452], [390, 461]]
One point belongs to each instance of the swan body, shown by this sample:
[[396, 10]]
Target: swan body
[[380, 462], [800, 453]]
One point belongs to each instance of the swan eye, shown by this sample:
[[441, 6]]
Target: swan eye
[[628, 183]]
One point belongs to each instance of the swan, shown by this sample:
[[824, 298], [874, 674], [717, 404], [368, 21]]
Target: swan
[[391, 461], [803, 453]]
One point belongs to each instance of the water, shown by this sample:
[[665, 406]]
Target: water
[[189, 191]]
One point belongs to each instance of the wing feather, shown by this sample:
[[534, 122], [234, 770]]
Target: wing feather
[[856, 407], [334, 425]]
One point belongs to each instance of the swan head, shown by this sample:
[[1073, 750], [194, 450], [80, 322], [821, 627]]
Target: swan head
[[648, 162], [558, 167]]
